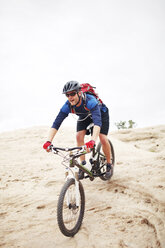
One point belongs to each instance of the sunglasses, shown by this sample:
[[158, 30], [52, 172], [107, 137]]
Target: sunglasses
[[71, 94]]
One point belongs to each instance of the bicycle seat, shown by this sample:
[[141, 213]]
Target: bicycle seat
[[89, 129]]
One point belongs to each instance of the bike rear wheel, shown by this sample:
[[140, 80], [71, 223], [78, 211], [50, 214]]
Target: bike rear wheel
[[69, 215], [102, 161]]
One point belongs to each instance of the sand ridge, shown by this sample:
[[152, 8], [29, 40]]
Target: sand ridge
[[127, 211]]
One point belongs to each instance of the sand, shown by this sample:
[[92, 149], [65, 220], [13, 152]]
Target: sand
[[127, 211]]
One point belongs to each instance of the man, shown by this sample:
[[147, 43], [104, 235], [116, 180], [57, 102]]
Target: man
[[89, 110]]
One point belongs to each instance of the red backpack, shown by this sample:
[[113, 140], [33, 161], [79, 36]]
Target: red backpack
[[89, 89]]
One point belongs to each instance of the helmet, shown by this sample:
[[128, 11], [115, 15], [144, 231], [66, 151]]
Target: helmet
[[70, 86]]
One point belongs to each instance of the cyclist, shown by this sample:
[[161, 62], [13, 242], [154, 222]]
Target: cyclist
[[89, 110]]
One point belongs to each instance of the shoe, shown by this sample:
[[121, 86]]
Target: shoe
[[80, 175], [109, 171]]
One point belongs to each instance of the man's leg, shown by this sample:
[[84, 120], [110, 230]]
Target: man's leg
[[106, 149], [80, 141], [106, 146]]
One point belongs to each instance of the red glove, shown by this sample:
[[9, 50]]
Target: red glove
[[90, 144], [46, 145]]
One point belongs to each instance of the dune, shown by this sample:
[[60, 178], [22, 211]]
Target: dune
[[127, 211]]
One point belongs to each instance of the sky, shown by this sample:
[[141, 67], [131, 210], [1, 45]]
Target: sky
[[116, 45]]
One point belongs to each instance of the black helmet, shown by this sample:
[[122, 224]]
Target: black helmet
[[70, 86]]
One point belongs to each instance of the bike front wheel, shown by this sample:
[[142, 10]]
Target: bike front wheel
[[70, 209], [102, 159]]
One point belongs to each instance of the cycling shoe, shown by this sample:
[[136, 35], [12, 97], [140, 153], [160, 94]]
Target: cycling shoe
[[109, 171], [80, 175]]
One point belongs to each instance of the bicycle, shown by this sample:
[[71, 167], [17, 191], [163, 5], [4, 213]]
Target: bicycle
[[71, 201]]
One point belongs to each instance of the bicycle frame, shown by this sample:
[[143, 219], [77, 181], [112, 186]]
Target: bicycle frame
[[72, 165], [70, 161]]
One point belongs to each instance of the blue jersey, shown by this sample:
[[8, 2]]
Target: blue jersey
[[92, 107]]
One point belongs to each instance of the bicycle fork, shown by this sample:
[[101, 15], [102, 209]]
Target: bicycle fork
[[77, 193], [74, 195]]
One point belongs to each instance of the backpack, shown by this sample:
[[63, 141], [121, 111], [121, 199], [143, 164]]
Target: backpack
[[89, 89]]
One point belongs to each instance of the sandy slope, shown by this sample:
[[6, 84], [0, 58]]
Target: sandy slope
[[128, 211]]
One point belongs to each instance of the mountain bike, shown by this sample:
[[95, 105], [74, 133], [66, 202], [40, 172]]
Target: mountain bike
[[71, 202]]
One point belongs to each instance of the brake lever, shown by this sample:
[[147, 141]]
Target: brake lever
[[53, 149]]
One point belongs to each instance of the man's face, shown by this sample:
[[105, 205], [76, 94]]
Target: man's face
[[72, 97]]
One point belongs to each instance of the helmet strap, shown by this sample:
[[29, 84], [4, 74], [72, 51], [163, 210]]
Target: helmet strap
[[79, 98]]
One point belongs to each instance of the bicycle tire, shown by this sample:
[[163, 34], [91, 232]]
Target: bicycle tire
[[60, 209], [100, 154]]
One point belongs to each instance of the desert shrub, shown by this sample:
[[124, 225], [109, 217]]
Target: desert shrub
[[125, 125]]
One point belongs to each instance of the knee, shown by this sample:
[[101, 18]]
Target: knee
[[104, 140], [80, 137]]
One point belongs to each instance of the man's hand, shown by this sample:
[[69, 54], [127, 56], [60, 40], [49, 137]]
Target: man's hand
[[46, 145], [90, 144]]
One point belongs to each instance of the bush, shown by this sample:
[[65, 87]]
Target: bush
[[125, 125]]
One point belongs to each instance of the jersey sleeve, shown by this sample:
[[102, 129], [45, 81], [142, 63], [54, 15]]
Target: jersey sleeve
[[64, 111], [96, 116], [91, 101], [93, 106], [66, 108]]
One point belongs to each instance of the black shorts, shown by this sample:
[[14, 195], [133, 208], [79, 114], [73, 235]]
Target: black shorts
[[82, 125]]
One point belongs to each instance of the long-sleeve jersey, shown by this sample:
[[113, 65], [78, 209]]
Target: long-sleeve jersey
[[92, 107]]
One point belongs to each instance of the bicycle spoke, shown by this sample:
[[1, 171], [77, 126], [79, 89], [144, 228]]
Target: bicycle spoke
[[70, 211]]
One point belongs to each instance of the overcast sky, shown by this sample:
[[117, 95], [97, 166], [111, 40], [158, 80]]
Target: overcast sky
[[116, 45]]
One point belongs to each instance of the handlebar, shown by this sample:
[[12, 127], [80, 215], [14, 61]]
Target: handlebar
[[56, 149], [82, 149], [72, 156]]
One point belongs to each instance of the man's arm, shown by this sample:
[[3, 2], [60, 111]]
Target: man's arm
[[91, 143], [96, 117], [52, 133], [64, 111], [96, 131]]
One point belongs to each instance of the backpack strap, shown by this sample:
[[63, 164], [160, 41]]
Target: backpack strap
[[84, 96], [72, 109]]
